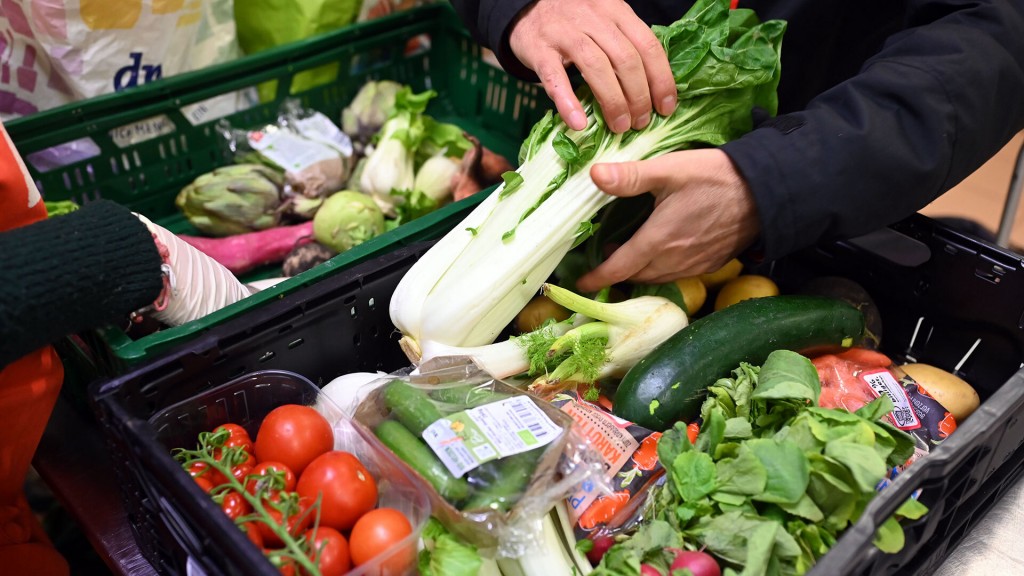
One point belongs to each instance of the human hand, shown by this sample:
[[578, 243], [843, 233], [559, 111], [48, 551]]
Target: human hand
[[703, 215], [620, 58]]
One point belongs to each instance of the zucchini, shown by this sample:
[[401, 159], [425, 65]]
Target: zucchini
[[670, 383], [422, 459]]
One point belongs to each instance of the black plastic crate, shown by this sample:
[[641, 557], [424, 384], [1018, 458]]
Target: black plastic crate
[[963, 289]]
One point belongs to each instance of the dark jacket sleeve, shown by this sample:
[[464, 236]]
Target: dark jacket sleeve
[[71, 273], [939, 99]]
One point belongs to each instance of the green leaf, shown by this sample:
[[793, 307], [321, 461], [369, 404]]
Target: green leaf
[[742, 475], [712, 432], [412, 205], [786, 467], [911, 509], [786, 375], [862, 461], [513, 180], [668, 290], [673, 442], [538, 135], [738, 427], [566, 149], [890, 538], [875, 409], [804, 508], [584, 231], [693, 474]]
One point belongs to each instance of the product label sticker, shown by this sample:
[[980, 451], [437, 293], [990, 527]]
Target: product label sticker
[[290, 150], [881, 382], [467, 439]]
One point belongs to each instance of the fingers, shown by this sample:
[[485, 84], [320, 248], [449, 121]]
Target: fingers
[[624, 263], [556, 83], [625, 179], [657, 70], [617, 54]]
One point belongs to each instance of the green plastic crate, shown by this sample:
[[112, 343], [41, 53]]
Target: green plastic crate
[[146, 176]]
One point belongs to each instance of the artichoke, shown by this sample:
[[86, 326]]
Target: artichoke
[[233, 199], [346, 219]]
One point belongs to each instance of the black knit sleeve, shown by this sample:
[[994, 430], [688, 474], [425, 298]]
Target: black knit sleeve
[[71, 273]]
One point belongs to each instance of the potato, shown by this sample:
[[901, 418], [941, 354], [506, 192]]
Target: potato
[[743, 288], [537, 311], [694, 293], [956, 395], [730, 270]]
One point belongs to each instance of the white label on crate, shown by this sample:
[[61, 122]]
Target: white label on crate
[[467, 439], [192, 568], [881, 382], [142, 130]]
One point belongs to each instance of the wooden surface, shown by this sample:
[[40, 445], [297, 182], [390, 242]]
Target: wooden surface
[[72, 459]]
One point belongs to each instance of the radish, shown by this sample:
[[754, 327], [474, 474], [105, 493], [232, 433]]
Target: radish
[[243, 252], [601, 545], [699, 563], [648, 570]]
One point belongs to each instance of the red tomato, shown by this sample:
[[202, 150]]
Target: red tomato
[[293, 435], [199, 469], [376, 532], [346, 488], [234, 505], [332, 547], [263, 474], [203, 483], [242, 470], [298, 519], [252, 531], [237, 436]]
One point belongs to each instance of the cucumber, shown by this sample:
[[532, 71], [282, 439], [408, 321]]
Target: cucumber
[[422, 459], [670, 383], [410, 405], [506, 480]]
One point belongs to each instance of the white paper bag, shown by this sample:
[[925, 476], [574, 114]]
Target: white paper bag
[[57, 51]]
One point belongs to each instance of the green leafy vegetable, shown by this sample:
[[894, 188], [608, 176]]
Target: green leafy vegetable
[[772, 479]]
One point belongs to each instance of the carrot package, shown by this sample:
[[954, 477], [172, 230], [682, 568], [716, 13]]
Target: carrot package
[[857, 376], [498, 459], [629, 454]]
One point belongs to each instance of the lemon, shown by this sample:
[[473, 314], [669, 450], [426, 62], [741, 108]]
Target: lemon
[[694, 293], [713, 280], [743, 288]]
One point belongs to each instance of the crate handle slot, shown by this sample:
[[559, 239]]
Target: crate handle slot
[[894, 246]]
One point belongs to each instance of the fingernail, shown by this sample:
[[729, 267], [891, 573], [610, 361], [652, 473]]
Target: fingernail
[[642, 121], [577, 120], [668, 105], [620, 124]]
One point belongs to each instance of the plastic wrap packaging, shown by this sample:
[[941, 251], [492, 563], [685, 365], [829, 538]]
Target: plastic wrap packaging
[[315, 155], [853, 378], [629, 454], [498, 459]]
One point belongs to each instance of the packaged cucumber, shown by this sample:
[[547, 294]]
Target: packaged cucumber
[[497, 458]]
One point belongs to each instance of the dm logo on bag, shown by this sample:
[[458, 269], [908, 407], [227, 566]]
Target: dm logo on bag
[[128, 76]]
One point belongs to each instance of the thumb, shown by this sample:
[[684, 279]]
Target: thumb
[[625, 179]]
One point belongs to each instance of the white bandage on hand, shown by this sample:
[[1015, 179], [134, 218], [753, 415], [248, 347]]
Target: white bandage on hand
[[199, 284]]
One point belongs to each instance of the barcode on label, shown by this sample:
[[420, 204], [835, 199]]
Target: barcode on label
[[883, 382], [530, 417]]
